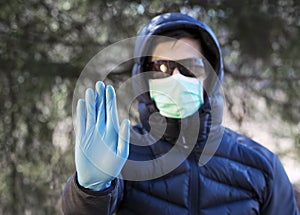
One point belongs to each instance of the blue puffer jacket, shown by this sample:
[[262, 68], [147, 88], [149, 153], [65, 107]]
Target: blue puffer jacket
[[223, 173]]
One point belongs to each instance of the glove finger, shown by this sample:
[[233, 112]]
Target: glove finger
[[100, 106], [112, 122], [90, 109], [80, 119], [123, 142]]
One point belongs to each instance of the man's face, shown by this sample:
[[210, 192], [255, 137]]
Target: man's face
[[176, 89]]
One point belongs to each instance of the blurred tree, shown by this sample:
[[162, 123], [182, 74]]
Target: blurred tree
[[45, 44]]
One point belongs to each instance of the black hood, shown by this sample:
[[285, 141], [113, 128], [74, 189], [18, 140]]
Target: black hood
[[213, 99]]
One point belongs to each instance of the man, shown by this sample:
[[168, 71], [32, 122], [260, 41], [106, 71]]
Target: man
[[217, 171]]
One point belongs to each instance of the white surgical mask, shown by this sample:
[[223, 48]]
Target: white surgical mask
[[176, 96]]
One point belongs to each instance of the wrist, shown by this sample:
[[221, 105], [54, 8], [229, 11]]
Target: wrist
[[97, 186]]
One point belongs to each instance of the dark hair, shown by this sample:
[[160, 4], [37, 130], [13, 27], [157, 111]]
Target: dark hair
[[180, 33]]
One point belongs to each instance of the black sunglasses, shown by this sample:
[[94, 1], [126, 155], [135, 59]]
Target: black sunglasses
[[190, 67]]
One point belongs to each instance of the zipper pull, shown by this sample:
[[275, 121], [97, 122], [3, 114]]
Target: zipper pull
[[185, 146]]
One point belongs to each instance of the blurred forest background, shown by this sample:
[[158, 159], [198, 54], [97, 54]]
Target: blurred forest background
[[45, 44]]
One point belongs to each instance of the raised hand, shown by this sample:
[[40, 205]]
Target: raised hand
[[102, 147]]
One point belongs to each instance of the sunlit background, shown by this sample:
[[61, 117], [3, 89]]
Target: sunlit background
[[45, 44]]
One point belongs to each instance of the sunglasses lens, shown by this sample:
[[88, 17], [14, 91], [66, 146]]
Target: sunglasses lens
[[159, 68], [163, 68], [192, 67]]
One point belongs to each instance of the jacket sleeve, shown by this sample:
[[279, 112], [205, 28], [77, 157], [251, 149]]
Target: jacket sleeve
[[79, 200], [280, 197]]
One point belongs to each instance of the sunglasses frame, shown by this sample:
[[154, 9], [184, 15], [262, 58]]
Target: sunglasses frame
[[183, 65]]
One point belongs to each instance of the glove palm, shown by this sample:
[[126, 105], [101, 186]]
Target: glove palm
[[101, 146]]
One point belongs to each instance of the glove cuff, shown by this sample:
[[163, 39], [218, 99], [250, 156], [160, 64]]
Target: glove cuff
[[97, 186]]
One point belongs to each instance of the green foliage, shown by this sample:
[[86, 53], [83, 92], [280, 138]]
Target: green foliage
[[45, 44]]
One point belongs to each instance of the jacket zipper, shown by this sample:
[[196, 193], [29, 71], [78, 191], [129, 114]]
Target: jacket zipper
[[194, 185]]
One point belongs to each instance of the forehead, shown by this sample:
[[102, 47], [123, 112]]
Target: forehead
[[177, 49]]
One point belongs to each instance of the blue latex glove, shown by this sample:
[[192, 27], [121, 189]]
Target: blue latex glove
[[102, 147]]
